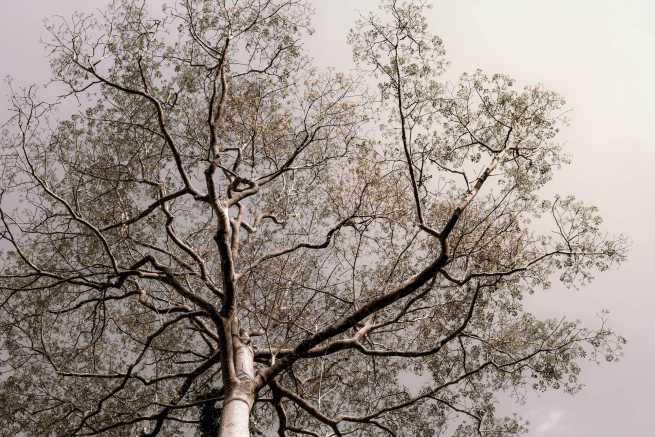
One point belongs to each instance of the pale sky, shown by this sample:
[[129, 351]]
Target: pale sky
[[599, 55]]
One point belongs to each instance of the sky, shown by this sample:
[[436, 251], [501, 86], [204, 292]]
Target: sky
[[598, 55]]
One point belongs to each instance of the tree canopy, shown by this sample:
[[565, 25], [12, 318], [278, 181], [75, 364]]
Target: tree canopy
[[205, 233]]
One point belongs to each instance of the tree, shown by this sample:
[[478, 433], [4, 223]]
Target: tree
[[221, 230]]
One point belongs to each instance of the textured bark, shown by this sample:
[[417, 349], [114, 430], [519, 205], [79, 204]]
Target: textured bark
[[240, 392], [235, 418]]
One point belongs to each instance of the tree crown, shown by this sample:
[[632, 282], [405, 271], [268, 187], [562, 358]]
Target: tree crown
[[218, 221]]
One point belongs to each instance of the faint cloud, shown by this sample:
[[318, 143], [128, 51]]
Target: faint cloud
[[551, 422]]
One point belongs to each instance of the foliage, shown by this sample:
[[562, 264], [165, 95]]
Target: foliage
[[216, 194]]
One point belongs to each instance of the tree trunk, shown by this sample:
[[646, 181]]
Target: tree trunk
[[240, 392], [235, 419]]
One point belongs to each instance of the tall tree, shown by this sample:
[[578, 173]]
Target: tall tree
[[221, 237]]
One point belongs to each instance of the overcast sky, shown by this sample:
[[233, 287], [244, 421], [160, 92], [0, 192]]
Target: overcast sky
[[599, 55]]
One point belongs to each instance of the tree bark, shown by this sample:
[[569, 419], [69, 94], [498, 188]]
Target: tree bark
[[235, 419], [240, 392]]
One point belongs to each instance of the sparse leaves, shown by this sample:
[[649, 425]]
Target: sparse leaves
[[216, 193]]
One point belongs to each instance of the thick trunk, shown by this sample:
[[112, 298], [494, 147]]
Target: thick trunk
[[240, 392], [235, 419]]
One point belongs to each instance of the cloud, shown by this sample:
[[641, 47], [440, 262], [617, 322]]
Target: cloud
[[551, 422]]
